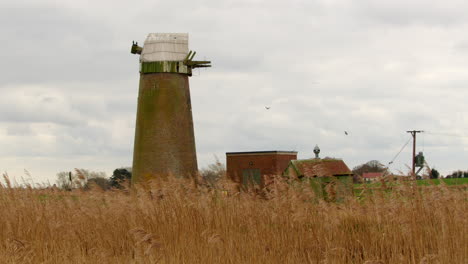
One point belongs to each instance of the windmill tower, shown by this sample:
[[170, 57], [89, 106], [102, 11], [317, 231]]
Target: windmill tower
[[164, 137]]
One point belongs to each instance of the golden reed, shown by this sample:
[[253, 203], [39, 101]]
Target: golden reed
[[177, 221]]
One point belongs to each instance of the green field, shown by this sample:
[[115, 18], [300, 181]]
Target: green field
[[448, 181], [362, 190]]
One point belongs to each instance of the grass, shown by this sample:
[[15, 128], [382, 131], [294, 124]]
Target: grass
[[176, 221], [426, 182], [448, 181]]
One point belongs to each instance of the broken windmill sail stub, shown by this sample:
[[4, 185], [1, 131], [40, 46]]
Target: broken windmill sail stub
[[167, 53]]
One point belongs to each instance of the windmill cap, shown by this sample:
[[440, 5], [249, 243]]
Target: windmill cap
[[165, 47]]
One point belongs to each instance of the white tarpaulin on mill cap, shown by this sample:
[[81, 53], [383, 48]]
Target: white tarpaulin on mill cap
[[165, 47]]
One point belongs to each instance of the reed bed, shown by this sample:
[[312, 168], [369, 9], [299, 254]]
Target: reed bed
[[177, 221]]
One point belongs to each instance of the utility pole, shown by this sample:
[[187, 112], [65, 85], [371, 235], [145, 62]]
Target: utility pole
[[413, 133]]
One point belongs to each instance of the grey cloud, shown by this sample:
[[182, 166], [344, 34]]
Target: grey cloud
[[375, 70], [461, 46], [50, 45], [401, 13], [21, 129], [18, 113]]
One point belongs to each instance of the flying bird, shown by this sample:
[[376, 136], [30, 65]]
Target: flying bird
[[346, 132], [267, 107]]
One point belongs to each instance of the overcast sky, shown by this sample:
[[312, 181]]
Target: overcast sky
[[376, 69]]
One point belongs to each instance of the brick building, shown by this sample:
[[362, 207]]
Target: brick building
[[257, 166], [372, 176]]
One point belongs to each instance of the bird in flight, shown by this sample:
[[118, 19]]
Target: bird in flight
[[267, 107], [346, 132]]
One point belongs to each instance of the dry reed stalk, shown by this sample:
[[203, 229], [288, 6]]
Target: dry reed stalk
[[173, 220]]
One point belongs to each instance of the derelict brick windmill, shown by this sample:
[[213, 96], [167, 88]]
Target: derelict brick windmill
[[164, 137]]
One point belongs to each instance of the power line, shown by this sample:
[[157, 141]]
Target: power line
[[446, 134], [423, 143], [394, 158]]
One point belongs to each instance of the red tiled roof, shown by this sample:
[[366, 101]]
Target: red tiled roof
[[370, 175], [321, 167]]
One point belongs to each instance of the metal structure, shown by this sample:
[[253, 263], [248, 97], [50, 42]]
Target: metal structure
[[316, 151], [413, 134], [164, 136], [420, 162]]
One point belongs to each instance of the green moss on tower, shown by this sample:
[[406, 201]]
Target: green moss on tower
[[164, 138]]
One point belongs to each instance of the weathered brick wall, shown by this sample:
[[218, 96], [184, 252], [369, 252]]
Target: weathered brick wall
[[164, 137], [268, 163]]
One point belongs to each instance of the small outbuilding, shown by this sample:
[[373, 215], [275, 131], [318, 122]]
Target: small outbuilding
[[372, 176], [257, 166], [312, 168], [328, 176]]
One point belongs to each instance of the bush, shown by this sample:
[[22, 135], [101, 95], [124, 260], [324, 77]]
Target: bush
[[213, 173], [120, 177]]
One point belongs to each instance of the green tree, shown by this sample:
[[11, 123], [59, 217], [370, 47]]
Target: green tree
[[370, 166], [434, 174], [119, 177], [458, 174]]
